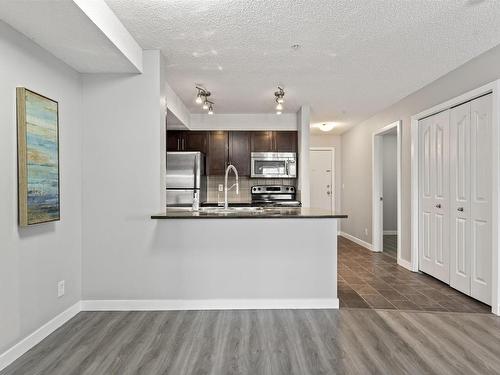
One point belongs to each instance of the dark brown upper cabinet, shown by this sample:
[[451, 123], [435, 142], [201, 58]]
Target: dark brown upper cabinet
[[262, 141], [285, 141], [175, 140], [239, 151], [217, 152], [274, 141], [196, 141]]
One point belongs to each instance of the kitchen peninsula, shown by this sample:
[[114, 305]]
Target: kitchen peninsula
[[249, 257]]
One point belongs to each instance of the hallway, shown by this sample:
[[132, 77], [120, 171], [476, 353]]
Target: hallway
[[374, 281]]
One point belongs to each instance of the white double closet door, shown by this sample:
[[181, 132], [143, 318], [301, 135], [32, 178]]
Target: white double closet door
[[455, 197]]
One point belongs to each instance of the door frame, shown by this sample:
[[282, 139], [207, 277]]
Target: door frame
[[377, 188], [490, 88], [334, 171]]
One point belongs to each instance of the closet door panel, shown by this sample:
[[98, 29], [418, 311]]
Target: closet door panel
[[440, 174], [480, 198], [434, 198], [460, 201], [426, 248]]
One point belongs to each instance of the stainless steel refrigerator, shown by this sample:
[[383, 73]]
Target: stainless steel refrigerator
[[185, 177]]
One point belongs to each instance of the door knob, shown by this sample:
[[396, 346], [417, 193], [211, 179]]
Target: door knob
[[461, 209], [328, 192], [438, 205]]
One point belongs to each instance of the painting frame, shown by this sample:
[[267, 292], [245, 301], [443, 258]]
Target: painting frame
[[35, 207]]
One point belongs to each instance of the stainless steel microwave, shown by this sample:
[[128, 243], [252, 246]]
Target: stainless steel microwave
[[274, 164]]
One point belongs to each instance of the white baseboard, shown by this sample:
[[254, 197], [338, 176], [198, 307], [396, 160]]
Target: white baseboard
[[390, 232], [209, 304], [405, 264], [356, 240], [34, 338]]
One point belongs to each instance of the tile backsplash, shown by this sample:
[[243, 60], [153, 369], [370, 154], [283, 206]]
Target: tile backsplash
[[246, 183]]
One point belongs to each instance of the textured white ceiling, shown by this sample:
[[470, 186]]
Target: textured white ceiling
[[356, 56]]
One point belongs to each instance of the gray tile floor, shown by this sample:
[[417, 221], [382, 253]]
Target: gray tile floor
[[375, 281], [390, 246]]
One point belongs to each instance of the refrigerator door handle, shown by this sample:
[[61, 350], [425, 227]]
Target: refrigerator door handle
[[196, 171]]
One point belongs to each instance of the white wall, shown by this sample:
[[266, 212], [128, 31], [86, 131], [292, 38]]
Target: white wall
[[122, 167], [357, 143], [330, 140], [390, 181], [34, 259]]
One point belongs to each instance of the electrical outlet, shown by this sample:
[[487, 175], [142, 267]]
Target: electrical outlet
[[366, 231], [221, 187], [60, 288]]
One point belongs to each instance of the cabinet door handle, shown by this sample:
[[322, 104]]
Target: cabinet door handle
[[461, 209], [438, 205]]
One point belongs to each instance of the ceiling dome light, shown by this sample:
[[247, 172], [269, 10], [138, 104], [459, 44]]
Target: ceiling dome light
[[326, 126]]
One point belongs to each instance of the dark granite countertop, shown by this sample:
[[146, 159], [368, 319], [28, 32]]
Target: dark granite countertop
[[248, 213]]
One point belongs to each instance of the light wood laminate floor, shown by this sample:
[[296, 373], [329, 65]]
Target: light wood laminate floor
[[273, 342]]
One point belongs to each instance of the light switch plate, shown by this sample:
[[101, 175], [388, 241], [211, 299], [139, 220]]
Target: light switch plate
[[221, 187]]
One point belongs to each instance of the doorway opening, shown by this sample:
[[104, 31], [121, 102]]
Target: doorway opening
[[386, 191], [322, 177]]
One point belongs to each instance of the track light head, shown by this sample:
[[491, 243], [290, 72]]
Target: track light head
[[279, 99]]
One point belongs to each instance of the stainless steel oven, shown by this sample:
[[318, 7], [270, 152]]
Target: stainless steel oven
[[274, 165]]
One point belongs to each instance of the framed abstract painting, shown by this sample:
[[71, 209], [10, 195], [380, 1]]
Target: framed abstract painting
[[38, 158]]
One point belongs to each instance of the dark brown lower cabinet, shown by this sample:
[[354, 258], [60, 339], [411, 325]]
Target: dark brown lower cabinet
[[239, 151], [217, 152]]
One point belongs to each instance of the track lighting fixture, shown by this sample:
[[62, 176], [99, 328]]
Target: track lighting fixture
[[279, 99], [201, 98]]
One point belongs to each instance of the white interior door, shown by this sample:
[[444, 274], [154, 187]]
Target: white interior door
[[480, 198], [320, 173], [460, 198], [434, 196], [470, 232]]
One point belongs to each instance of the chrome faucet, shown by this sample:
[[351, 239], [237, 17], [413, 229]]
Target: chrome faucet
[[229, 167]]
